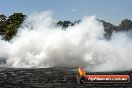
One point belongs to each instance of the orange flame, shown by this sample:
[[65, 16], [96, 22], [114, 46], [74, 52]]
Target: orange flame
[[81, 71]]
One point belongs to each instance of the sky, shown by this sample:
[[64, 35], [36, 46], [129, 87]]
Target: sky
[[109, 10]]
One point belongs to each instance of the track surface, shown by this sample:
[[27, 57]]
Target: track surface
[[50, 78]]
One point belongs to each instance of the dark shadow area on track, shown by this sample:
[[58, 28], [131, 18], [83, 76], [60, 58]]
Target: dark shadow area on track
[[56, 77]]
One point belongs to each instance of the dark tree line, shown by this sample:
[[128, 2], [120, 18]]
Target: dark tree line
[[125, 25], [9, 25]]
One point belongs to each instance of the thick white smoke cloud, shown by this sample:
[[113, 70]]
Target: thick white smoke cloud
[[39, 43]]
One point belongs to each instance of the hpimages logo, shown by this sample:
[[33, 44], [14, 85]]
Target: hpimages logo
[[101, 78]]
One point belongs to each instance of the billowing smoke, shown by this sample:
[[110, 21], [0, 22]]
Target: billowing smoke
[[39, 43]]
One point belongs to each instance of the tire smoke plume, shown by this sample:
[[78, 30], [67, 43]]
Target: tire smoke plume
[[39, 43]]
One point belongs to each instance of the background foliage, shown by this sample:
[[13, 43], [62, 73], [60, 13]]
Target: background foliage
[[9, 25]]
